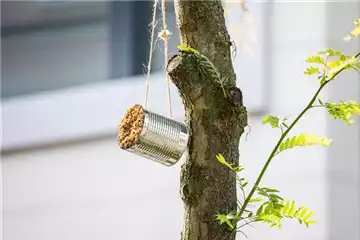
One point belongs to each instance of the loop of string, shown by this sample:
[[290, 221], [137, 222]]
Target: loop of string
[[164, 34]]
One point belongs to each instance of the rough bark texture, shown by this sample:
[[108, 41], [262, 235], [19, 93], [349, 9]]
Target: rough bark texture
[[215, 123]]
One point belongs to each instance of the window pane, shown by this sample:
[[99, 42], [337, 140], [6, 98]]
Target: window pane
[[54, 58]]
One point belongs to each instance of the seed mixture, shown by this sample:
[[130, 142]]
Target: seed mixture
[[130, 127]]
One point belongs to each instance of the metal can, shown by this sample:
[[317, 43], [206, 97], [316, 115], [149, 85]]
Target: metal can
[[162, 139]]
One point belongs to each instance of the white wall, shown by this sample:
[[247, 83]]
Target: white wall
[[93, 190]]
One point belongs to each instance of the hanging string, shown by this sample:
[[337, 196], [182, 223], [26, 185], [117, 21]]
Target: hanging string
[[243, 6], [153, 23], [164, 34]]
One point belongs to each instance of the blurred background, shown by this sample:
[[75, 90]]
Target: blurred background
[[69, 71]]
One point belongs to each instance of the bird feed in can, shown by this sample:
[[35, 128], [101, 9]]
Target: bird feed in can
[[152, 136]]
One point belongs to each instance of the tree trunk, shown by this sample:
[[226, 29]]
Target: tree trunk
[[215, 122]]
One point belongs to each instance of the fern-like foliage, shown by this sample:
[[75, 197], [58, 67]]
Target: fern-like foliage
[[355, 32], [340, 65], [272, 208], [312, 70], [346, 110], [273, 214], [275, 122], [329, 63], [317, 60], [230, 219], [304, 140], [206, 67]]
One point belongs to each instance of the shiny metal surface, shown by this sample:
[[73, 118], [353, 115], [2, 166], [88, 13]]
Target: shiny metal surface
[[162, 140]]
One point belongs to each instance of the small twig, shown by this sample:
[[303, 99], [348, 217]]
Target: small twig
[[317, 106]]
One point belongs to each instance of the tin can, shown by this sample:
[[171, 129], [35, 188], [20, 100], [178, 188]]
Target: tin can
[[162, 139]]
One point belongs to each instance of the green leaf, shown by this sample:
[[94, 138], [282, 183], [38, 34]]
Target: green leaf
[[323, 80], [287, 142], [276, 212], [339, 66], [272, 120], [292, 208], [273, 225], [258, 199], [287, 208], [311, 70], [320, 102], [292, 142], [304, 140], [228, 222], [308, 216], [268, 209], [331, 53], [221, 218], [222, 160], [275, 197], [297, 212], [262, 192], [344, 110], [303, 212], [275, 122], [261, 208], [278, 206], [301, 140], [315, 59], [312, 221], [232, 216], [355, 32], [238, 169], [224, 219], [270, 218], [269, 190]]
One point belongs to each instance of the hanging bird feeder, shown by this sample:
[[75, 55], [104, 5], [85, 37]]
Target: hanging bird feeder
[[152, 136]]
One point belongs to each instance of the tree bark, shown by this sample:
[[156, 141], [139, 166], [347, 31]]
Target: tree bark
[[215, 122]]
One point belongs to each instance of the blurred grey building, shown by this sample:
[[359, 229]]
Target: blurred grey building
[[71, 69]]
